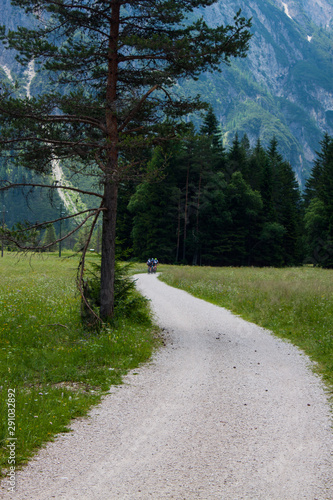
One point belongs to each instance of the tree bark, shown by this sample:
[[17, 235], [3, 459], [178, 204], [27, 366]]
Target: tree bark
[[178, 229], [108, 249], [185, 209], [196, 252]]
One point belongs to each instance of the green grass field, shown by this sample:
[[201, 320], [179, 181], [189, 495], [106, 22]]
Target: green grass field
[[295, 303], [50, 366]]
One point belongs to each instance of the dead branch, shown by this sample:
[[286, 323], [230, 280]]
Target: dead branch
[[7, 236], [46, 223], [49, 186], [81, 268]]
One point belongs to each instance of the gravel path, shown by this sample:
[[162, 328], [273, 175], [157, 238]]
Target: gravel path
[[225, 411]]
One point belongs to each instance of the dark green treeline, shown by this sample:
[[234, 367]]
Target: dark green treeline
[[216, 207], [241, 207]]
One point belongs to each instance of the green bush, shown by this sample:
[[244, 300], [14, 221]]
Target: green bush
[[128, 302]]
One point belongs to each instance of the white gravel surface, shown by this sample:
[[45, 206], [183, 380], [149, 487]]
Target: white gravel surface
[[224, 411]]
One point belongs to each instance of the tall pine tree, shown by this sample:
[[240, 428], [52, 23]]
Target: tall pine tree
[[112, 67]]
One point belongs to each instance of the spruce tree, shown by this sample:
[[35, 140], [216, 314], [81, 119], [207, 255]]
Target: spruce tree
[[211, 129], [285, 208], [49, 238], [244, 206], [154, 210], [237, 160], [319, 207], [257, 165]]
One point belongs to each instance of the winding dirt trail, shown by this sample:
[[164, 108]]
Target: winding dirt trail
[[224, 411]]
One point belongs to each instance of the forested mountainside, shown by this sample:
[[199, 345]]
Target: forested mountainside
[[21, 204]]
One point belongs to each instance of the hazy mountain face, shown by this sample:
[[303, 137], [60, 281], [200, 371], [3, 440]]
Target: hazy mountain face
[[283, 88]]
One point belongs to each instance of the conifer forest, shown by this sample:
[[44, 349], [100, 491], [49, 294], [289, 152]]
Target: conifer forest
[[235, 207]]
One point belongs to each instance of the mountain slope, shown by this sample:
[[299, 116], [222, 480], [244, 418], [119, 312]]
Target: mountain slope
[[285, 85]]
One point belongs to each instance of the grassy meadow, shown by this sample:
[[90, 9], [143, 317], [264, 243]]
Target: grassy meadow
[[295, 303], [51, 367]]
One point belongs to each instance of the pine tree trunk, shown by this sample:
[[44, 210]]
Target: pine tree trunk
[[178, 229], [111, 181], [196, 252], [185, 210], [108, 250]]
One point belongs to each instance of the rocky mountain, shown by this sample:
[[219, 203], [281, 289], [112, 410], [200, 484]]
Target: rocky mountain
[[283, 88], [285, 85]]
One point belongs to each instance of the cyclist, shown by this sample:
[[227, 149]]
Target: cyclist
[[150, 264], [155, 262]]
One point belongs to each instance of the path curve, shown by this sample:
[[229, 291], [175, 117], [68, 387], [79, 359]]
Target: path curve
[[225, 411]]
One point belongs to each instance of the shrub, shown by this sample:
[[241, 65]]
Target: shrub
[[128, 302]]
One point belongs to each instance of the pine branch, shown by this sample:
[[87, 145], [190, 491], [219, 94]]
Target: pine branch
[[7, 237], [53, 186], [46, 223], [136, 108]]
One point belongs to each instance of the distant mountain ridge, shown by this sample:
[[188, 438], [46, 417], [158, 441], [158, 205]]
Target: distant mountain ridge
[[283, 88]]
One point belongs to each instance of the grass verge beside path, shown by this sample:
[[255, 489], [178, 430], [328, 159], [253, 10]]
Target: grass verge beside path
[[51, 368], [294, 303]]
